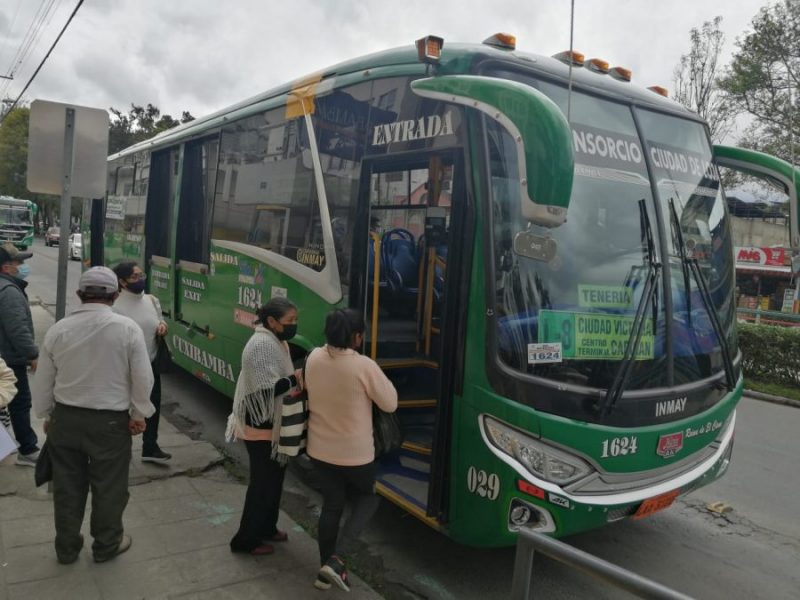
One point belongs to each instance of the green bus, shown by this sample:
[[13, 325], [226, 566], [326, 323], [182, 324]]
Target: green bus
[[541, 249], [16, 221]]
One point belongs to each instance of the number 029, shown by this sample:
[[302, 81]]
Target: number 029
[[485, 485]]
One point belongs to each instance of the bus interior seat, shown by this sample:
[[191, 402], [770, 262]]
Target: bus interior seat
[[400, 260]]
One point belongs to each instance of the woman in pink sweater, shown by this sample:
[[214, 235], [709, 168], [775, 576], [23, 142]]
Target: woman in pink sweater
[[342, 385]]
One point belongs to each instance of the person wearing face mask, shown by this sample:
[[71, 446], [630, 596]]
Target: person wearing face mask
[[17, 347], [145, 310], [269, 416]]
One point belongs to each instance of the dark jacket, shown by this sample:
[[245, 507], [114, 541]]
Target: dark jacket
[[17, 346]]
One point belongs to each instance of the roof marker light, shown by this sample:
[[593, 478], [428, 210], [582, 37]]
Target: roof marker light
[[570, 56], [621, 73], [506, 41], [597, 65], [429, 49], [661, 91]]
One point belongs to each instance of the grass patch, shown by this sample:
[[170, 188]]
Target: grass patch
[[775, 389]]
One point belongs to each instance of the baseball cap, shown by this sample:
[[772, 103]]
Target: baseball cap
[[99, 278], [10, 253]]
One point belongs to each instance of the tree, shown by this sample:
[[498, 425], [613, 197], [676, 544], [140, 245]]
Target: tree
[[695, 79], [139, 124], [762, 79], [14, 164], [14, 153]]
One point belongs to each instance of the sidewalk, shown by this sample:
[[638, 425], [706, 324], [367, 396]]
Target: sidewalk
[[180, 516]]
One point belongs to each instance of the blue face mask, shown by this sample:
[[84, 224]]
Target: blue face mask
[[23, 271]]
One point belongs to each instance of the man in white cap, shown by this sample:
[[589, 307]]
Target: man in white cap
[[92, 387], [17, 346]]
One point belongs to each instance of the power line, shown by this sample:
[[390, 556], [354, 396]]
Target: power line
[[34, 30], [41, 64], [14, 18]]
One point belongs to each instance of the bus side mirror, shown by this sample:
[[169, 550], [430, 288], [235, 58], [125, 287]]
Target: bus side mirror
[[541, 133]]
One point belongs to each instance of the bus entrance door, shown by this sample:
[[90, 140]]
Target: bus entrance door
[[406, 269]]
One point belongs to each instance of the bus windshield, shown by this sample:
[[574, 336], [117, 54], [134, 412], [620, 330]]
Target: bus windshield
[[692, 206], [566, 313], [15, 216]]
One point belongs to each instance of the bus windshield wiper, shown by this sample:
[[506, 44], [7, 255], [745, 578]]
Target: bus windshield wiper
[[676, 224], [654, 267], [693, 266]]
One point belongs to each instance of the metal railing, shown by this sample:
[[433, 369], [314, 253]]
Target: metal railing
[[529, 542], [768, 317]]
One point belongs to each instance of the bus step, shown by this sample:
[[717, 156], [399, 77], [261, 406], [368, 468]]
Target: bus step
[[417, 448], [419, 403], [405, 363], [418, 439], [407, 490]]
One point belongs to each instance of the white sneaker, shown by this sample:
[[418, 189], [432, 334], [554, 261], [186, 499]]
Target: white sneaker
[[27, 460], [321, 583]]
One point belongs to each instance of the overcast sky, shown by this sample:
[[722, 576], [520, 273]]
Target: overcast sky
[[202, 55]]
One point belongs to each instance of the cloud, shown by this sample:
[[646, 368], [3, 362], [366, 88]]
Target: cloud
[[202, 55]]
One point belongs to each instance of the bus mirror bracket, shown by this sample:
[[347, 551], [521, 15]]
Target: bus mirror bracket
[[540, 131]]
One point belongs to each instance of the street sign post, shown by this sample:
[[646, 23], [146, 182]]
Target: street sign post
[[67, 149]]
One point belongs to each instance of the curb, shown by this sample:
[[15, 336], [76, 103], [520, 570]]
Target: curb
[[773, 399]]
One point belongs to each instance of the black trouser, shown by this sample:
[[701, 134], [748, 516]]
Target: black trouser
[[338, 485], [20, 411], [150, 435], [262, 502], [89, 449]]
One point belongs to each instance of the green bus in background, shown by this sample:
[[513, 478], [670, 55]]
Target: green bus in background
[[16, 221], [546, 270]]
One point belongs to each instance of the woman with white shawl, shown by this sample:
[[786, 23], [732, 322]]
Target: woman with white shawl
[[262, 414]]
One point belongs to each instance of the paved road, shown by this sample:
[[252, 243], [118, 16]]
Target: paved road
[[43, 277], [751, 552]]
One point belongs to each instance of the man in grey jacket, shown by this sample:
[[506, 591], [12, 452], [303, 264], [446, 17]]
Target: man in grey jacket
[[17, 347]]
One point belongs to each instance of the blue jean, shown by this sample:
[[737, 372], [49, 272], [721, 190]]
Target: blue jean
[[20, 411]]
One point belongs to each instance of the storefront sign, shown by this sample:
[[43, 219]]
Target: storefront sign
[[749, 255]]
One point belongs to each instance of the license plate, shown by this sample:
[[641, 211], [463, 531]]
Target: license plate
[[653, 505]]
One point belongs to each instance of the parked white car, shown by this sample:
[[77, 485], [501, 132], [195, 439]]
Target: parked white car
[[75, 247]]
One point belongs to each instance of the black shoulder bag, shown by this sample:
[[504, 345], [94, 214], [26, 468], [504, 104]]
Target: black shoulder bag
[[386, 431]]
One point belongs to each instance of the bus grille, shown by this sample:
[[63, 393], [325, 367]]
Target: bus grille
[[620, 513]]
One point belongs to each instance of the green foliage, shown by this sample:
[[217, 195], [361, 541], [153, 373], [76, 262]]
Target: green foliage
[[139, 124], [770, 354], [772, 388], [14, 153], [762, 79]]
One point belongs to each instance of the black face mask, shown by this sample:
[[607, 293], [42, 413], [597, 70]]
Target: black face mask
[[136, 287], [289, 331]]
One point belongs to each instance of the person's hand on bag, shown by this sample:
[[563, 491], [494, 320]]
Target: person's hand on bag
[[161, 330], [136, 427], [298, 375]]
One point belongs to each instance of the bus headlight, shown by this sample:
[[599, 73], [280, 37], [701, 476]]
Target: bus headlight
[[540, 459]]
